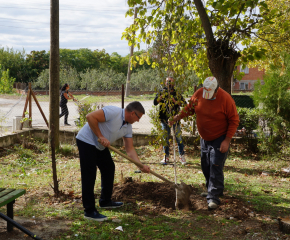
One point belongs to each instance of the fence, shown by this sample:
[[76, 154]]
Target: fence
[[11, 107]]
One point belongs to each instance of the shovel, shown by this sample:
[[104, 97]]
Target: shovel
[[183, 191]]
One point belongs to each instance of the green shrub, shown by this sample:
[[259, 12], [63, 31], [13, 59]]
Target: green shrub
[[249, 120], [6, 82], [84, 109], [273, 98]]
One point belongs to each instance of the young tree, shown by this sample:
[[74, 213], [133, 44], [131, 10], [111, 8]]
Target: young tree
[[219, 27]]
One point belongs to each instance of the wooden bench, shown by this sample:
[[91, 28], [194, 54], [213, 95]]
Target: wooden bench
[[7, 197]]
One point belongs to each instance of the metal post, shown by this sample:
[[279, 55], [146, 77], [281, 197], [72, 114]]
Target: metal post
[[123, 96]]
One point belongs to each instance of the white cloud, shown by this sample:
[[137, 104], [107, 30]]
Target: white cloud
[[83, 24]]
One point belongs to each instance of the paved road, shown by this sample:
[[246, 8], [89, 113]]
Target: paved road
[[9, 108]]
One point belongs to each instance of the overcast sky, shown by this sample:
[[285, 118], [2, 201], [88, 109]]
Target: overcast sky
[[92, 24]]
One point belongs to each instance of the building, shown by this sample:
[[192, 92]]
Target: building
[[246, 84]]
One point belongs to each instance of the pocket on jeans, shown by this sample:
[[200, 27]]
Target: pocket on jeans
[[218, 157]]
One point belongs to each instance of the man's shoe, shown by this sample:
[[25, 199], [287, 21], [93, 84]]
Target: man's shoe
[[95, 216], [165, 160], [112, 205], [66, 124], [212, 206], [182, 159], [204, 194]]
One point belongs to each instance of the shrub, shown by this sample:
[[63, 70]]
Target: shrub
[[273, 97], [6, 82], [84, 109]]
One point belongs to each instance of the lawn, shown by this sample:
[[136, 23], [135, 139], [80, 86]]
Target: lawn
[[256, 194]]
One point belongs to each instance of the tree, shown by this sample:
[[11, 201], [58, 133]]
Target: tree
[[35, 63], [14, 61], [83, 58], [219, 28], [275, 38]]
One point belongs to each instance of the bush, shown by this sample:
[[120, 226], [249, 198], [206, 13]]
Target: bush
[[249, 120], [273, 98], [6, 82], [84, 109]]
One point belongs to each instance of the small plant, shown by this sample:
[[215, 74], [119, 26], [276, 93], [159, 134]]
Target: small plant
[[25, 118], [84, 109], [67, 150], [3, 120]]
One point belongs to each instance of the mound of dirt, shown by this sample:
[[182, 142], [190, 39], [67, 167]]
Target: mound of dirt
[[162, 196]]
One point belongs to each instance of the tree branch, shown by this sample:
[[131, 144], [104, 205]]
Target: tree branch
[[205, 22]]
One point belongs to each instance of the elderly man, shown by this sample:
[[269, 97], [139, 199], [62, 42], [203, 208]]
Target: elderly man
[[106, 125], [217, 120]]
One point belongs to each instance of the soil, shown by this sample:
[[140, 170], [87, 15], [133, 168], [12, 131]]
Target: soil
[[151, 198], [162, 198]]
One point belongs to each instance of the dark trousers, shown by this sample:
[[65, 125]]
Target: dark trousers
[[212, 164], [64, 111], [90, 159]]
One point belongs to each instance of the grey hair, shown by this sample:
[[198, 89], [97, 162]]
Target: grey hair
[[135, 106]]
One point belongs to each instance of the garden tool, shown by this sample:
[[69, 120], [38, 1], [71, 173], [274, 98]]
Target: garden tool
[[183, 191]]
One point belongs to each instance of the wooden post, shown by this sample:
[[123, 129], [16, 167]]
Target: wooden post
[[25, 107], [54, 87], [37, 103]]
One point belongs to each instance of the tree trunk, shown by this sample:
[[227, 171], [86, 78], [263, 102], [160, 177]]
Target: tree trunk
[[222, 60]]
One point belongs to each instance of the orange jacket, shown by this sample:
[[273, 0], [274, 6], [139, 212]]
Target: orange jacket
[[214, 118]]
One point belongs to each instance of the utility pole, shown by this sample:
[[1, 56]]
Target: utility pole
[[127, 93], [54, 87]]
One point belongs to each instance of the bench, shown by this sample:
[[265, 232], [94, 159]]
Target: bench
[[7, 197]]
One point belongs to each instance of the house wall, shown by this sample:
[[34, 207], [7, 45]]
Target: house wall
[[248, 79]]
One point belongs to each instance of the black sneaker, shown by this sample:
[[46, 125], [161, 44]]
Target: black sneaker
[[66, 124], [95, 216], [112, 205]]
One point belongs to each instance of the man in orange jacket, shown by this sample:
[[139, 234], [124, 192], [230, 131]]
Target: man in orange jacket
[[217, 121]]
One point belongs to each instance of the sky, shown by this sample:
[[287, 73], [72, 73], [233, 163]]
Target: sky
[[91, 24]]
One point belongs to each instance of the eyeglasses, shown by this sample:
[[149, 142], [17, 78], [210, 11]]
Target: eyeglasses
[[137, 115]]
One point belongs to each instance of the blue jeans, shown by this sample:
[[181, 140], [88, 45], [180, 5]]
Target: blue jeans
[[178, 137], [212, 164]]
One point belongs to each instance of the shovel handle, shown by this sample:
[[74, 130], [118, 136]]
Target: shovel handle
[[140, 165]]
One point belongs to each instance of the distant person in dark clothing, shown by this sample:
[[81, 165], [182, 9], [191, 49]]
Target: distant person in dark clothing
[[170, 102], [64, 96]]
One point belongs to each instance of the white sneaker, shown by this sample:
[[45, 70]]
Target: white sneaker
[[165, 160], [182, 159]]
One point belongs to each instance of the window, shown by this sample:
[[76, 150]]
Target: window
[[245, 69], [242, 86]]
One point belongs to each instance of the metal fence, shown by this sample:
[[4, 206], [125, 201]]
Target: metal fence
[[12, 107]]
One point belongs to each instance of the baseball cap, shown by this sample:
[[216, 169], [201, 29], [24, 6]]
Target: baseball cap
[[209, 86]]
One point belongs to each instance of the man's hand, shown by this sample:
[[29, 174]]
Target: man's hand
[[104, 141], [145, 169], [225, 145], [171, 121]]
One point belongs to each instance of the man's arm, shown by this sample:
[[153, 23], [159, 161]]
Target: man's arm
[[186, 111], [93, 120], [130, 150]]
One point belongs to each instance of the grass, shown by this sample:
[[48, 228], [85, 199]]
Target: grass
[[29, 167]]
